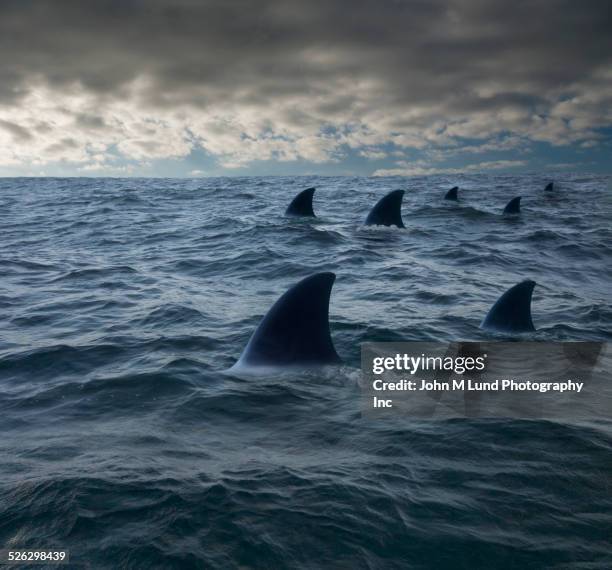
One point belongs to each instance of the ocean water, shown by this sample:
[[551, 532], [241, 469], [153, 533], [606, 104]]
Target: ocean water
[[123, 302]]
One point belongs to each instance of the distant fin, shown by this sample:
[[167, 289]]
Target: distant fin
[[512, 311], [387, 211], [301, 205], [295, 331], [452, 194], [550, 187], [514, 206]]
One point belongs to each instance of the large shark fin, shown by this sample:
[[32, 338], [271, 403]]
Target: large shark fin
[[301, 205], [387, 211], [295, 331], [514, 206], [452, 194], [512, 311]]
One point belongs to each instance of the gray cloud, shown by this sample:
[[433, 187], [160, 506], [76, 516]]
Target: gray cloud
[[217, 73], [17, 131]]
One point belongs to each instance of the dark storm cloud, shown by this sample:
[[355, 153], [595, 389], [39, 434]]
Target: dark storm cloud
[[420, 50]]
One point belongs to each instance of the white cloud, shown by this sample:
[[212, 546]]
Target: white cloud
[[421, 168], [79, 127]]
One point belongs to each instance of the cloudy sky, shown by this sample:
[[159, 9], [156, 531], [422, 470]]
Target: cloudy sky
[[240, 87]]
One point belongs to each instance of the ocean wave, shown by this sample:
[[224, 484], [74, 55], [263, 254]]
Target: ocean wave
[[127, 439]]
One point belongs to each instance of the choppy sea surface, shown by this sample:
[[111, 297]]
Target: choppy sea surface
[[123, 301]]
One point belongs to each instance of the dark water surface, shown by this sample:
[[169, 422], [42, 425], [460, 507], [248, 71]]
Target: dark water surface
[[123, 301]]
